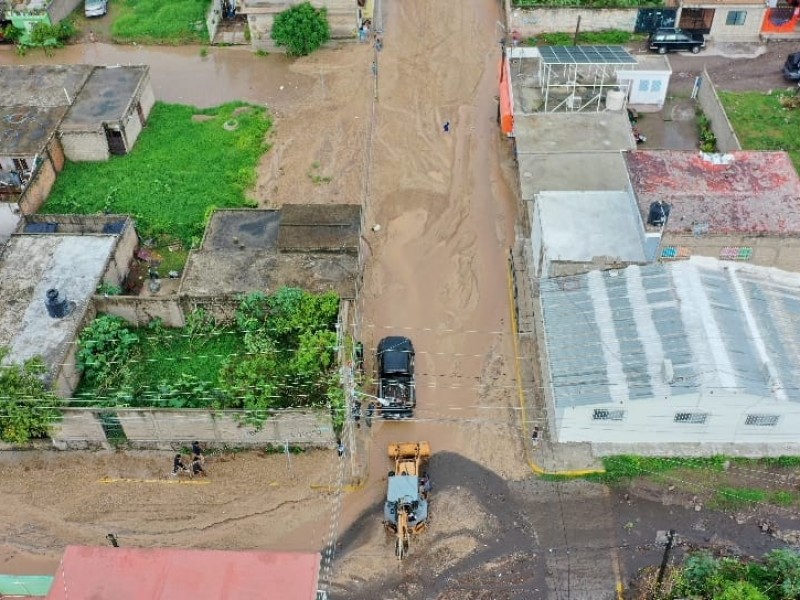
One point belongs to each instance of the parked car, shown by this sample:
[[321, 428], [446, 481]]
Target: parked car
[[791, 68], [95, 8], [673, 40]]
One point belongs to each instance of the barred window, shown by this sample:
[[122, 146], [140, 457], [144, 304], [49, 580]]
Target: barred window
[[761, 420], [694, 418], [605, 414]]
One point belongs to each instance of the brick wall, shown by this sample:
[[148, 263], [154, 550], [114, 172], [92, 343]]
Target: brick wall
[[39, 187]]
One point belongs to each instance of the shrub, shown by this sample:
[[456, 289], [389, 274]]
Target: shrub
[[301, 29], [103, 349], [27, 408]]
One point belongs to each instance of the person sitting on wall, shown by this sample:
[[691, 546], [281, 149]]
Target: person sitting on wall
[[197, 468], [197, 451], [178, 466]]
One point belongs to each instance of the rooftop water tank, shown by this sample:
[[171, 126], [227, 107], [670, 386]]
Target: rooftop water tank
[[615, 100], [57, 305]]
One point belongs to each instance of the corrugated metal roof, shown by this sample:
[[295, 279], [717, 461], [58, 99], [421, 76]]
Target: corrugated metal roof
[[105, 573], [613, 336]]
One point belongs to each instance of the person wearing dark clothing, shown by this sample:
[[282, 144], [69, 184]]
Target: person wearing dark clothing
[[370, 412], [177, 465], [339, 448], [197, 451], [197, 467], [446, 126]]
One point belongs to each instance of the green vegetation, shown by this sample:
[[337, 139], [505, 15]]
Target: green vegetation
[[27, 409], [622, 467], [281, 354], [708, 141], [762, 122], [705, 577], [301, 29], [590, 3], [160, 22], [605, 37], [43, 35], [167, 182]]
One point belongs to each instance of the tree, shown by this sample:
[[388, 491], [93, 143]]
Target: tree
[[301, 29], [27, 408]]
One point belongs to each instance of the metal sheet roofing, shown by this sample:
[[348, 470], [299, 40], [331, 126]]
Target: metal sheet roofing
[[720, 326], [105, 573], [586, 55]]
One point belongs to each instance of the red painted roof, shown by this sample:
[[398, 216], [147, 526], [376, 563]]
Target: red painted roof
[[106, 573], [743, 192]]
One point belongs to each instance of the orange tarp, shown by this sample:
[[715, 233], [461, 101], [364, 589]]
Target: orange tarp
[[506, 98]]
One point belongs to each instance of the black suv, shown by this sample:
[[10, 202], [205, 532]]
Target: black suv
[[791, 68], [671, 40]]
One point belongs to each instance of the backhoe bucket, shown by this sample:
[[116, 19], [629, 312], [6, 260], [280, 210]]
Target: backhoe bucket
[[409, 450]]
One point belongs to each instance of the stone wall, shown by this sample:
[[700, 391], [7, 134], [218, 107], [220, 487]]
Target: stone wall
[[709, 102], [530, 22], [168, 429]]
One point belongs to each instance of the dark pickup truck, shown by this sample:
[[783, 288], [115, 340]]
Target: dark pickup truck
[[396, 389]]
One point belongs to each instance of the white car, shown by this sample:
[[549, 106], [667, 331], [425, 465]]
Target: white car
[[95, 8]]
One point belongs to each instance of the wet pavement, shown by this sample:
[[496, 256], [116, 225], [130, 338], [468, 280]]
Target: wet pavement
[[673, 128]]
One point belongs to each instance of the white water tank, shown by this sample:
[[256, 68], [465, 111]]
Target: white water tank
[[615, 100]]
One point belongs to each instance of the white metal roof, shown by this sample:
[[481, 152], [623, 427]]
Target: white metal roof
[[668, 330]]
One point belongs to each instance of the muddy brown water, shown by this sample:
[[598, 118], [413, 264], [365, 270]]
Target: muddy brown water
[[181, 75]]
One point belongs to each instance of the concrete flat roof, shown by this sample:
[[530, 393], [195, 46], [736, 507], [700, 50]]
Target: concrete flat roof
[[573, 132], [741, 192], [42, 86], [581, 226], [25, 130], [105, 97], [32, 264], [578, 171], [248, 250]]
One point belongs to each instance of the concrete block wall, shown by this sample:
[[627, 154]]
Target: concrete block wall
[[709, 102], [213, 18], [119, 263], [147, 98], [60, 9], [781, 252], [78, 429], [65, 375], [166, 429], [132, 127], [530, 22], [140, 311], [85, 145]]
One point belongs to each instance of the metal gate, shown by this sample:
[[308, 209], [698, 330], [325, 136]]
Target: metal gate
[[650, 19]]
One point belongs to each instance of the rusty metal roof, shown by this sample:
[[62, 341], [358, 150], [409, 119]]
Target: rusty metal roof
[[741, 192]]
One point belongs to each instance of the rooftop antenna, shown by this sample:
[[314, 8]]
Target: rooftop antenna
[[66, 93]]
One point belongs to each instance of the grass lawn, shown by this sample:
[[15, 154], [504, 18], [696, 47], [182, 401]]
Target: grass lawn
[[179, 168], [607, 37], [161, 21], [761, 123], [164, 356]]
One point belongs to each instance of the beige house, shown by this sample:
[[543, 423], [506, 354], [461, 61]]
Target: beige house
[[723, 20]]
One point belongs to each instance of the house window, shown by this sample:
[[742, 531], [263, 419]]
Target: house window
[[655, 85], [736, 17], [644, 85], [605, 414], [20, 164], [693, 418], [761, 420]]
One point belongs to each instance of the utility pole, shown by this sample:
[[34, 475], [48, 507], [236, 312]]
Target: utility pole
[[664, 561]]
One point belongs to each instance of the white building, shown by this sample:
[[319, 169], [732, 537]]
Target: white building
[[699, 355]]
